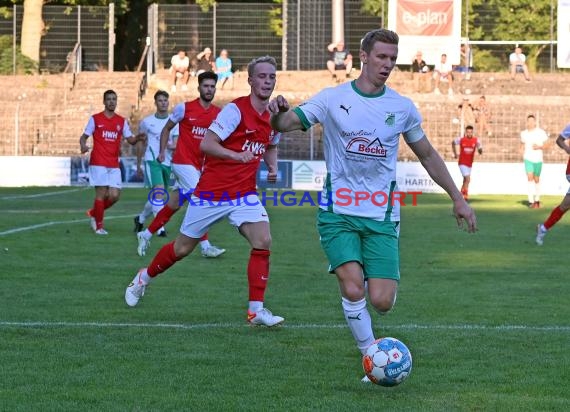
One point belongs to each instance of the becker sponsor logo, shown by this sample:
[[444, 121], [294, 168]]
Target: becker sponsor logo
[[257, 148], [425, 18], [363, 146]]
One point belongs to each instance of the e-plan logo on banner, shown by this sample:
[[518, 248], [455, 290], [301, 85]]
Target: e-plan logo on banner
[[303, 173]]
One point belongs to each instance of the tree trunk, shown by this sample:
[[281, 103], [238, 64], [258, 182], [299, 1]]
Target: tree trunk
[[32, 28]]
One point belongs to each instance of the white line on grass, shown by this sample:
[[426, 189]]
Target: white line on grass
[[59, 192], [57, 222], [182, 326]]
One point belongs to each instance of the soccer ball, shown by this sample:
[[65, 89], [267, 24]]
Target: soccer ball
[[387, 362]]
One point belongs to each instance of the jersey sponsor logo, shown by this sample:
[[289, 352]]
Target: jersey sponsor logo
[[346, 109], [109, 135], [199, 132], [363, 146], [257, 148]]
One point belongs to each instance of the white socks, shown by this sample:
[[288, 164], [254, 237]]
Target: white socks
[[205, 244], [359, 322]]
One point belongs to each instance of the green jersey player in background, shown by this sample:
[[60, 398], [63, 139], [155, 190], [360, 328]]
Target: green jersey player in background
[[362, 122]]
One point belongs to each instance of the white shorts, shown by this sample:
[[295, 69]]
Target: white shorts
[[201, 214], [465, 170], [186, 176], [105, 176]]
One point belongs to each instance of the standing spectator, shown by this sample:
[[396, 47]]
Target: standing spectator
[[419, 73], [234, 145], [563, 141], [224, 69], [468, 144], [443, 71], [466, 60], [157, 173], [517, 61], [180, 69], [340, 59], [483, 117], [362, 123], [205, 61], [108, 129], [534, 141], [466, 113], [191, 119]]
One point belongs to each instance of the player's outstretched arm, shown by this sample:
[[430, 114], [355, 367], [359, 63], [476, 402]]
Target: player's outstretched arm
[[434, 165], [282, 118]]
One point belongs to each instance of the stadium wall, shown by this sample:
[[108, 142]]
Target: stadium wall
[[486, 178]]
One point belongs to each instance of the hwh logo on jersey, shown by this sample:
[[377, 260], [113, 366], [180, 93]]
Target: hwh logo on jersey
[[108, 135], [199, 131], [257, 148]]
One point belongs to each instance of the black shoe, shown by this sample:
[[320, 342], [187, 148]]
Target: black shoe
[[138, 225], [162, 233]]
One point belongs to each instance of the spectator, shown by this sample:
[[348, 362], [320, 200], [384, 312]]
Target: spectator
[[340, 59], [466, 63], [482, 117], [224, 69], [419, 72], [466, 113], [443, 72], [205, 61], [517, 61], [180, 69]]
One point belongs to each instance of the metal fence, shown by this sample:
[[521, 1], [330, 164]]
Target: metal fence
[[66, 26]]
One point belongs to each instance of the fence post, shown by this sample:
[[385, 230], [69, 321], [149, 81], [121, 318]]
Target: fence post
[[214, 17], [298, 34], [14, 43], [284, 38], [154, 36], [111, 50], [79, 55]]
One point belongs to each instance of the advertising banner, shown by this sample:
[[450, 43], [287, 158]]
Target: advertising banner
[[563, 44], [16, 171], [284, 175], [430, 26]]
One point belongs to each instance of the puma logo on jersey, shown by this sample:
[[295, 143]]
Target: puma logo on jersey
[[346, 109]]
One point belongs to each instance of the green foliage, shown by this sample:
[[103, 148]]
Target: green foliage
[[276, 19], [24, 65], [485, 61]]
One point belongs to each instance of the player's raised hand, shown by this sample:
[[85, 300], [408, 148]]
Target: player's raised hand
[[465, 215], [279, 104]]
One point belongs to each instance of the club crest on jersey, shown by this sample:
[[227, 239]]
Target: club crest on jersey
[[365, 147], [390, 119], [257, 148]]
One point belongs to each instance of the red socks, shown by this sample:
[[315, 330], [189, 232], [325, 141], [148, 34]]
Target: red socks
[[163, 260], [258, 273], [98, 212], [554, 217], [161, 219]]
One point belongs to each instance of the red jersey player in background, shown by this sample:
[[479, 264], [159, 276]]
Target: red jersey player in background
[[108, 129], [468, 144], [193, 119], [234, 145], [563, 141]]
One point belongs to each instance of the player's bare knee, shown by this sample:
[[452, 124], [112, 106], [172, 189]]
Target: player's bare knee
[[353, 292], [382, 304]]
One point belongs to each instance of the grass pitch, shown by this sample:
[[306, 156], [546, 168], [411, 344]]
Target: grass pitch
[[486, 316]]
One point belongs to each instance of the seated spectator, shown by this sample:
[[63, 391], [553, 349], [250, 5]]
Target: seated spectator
[[180, 69], [419, 73], [483, 117], [340, 59], [224, 69], [443, 71], [205, 61], [517, 61]]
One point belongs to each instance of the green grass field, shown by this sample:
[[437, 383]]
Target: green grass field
[[486, 316]]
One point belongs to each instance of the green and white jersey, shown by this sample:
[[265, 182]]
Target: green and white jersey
[[361, 139], [152, 126]]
